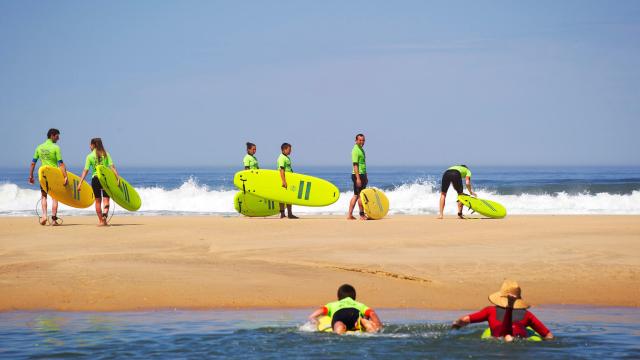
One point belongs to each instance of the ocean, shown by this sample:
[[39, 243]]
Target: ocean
[[581, 333], [411, 190]]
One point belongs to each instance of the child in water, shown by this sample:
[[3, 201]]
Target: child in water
[[512, 310], [347, 314]]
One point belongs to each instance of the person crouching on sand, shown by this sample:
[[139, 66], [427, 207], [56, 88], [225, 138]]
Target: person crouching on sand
[[347, 314], [509, 307]]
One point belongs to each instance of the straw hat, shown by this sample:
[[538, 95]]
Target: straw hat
[[509, 287]]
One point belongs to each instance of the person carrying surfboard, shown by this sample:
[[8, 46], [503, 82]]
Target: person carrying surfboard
[[347, 314], [453, 176], [358, 176], [284, 165], [512, 310], [250, 162], [98, 156], [49, 155]]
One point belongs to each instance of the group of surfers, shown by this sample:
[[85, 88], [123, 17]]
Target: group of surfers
[[508, 317], [50, 155]]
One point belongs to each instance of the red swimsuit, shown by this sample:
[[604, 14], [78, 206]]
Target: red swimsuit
[[511, 324]]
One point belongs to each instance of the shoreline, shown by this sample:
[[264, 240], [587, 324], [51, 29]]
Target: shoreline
[[206, 262]]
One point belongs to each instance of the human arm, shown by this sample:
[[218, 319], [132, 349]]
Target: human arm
[[468, 183], [31, 167], [318, 312], [115, 172], [482, 315], [538, 326], [82, 176], [283, 177], [63, 168], [356, 171]]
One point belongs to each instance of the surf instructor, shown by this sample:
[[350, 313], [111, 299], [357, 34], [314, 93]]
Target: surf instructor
[[250, 162], [49, 154], [284, 166], [358, 176], [453, 176]]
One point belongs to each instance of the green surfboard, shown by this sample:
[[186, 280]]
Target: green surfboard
[[255, 206], [301, 189], [123, 193], [532, 335], [485, 207]]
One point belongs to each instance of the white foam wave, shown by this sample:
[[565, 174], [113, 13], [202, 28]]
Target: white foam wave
[[419, 198]]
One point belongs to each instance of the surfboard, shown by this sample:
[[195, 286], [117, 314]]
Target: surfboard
[[375, 203], [52, 182], [255, 206], [324, 325], [485, 207], [301, 189], [122, 193], [532, 335]]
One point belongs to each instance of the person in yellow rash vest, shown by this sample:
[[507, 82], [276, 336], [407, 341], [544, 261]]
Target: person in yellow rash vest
[[347, 314]]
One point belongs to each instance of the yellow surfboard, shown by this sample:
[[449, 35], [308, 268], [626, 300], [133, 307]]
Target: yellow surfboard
[[375, 203], [255, 206], [52, 182], [301, 189]]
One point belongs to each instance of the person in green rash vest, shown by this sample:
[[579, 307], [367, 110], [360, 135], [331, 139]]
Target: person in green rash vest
[[453, 176], [358, 176], [284, 165], [250, 162], [49, 154], [347, 314], [98, 156]]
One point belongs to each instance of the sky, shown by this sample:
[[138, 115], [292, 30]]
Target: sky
[[187, 83]]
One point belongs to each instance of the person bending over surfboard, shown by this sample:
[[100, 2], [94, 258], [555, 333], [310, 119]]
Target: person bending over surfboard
[[358, 176], [509, 307], [98, 156], [250, 162], [284, 165], [347, 314], [453, 176], [49, 154]]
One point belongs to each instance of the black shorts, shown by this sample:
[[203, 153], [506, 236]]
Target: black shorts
[[363, 179], [451, 177], [98, 191], [348, 316]]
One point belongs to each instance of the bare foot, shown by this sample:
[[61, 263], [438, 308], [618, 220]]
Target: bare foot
[[282, 216], [103, 223], [293, 217], [440, 217], [42, 221], [350, 217], [363, 218], [460, 215]]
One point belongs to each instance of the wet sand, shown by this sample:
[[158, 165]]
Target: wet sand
[[232, 262]]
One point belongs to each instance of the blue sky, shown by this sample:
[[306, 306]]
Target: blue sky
[[429, 83]]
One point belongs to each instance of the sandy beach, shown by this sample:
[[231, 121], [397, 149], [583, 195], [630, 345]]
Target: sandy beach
[[233, 262]]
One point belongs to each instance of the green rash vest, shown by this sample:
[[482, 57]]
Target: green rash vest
[[92, 161], [358, 157], [251, 162], [284, 163], [49, 153], [346, 303], [464, 172]]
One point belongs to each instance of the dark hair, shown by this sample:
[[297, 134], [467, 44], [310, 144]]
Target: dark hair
[[284, 146], [250, 145], [346, 291], [99, 148], [52, 132], [464, 166], [357, 136]]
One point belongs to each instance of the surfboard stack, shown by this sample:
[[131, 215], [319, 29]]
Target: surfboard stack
[[261, 192]]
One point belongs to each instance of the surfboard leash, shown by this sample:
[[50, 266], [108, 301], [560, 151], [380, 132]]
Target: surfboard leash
[[38, 212]]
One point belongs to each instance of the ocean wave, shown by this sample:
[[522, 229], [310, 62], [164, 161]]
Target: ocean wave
[[416, 198]]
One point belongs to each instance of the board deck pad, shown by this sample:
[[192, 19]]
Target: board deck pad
[[301, 189], [52, 182]]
